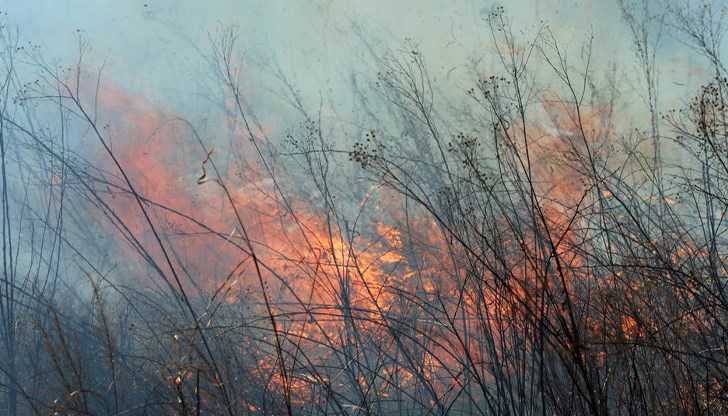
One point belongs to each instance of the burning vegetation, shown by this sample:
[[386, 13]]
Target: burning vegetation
[[515, 252]]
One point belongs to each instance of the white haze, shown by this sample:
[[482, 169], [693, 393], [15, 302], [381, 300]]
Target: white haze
[[156, 48]]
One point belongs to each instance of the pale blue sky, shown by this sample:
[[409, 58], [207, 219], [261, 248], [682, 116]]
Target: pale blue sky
[[150, 44]]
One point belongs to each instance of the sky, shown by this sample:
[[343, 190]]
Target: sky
[[160, 49], [155, 46]]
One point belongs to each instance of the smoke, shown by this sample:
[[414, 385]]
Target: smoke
[[277, 191]]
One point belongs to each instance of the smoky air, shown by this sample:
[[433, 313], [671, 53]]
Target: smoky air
[[363, 208]]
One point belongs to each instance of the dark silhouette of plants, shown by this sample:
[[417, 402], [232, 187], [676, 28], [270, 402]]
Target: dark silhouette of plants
[[510, 249]]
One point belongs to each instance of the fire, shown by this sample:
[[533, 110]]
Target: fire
[[315, 276], [162, 161], [407, 284]]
